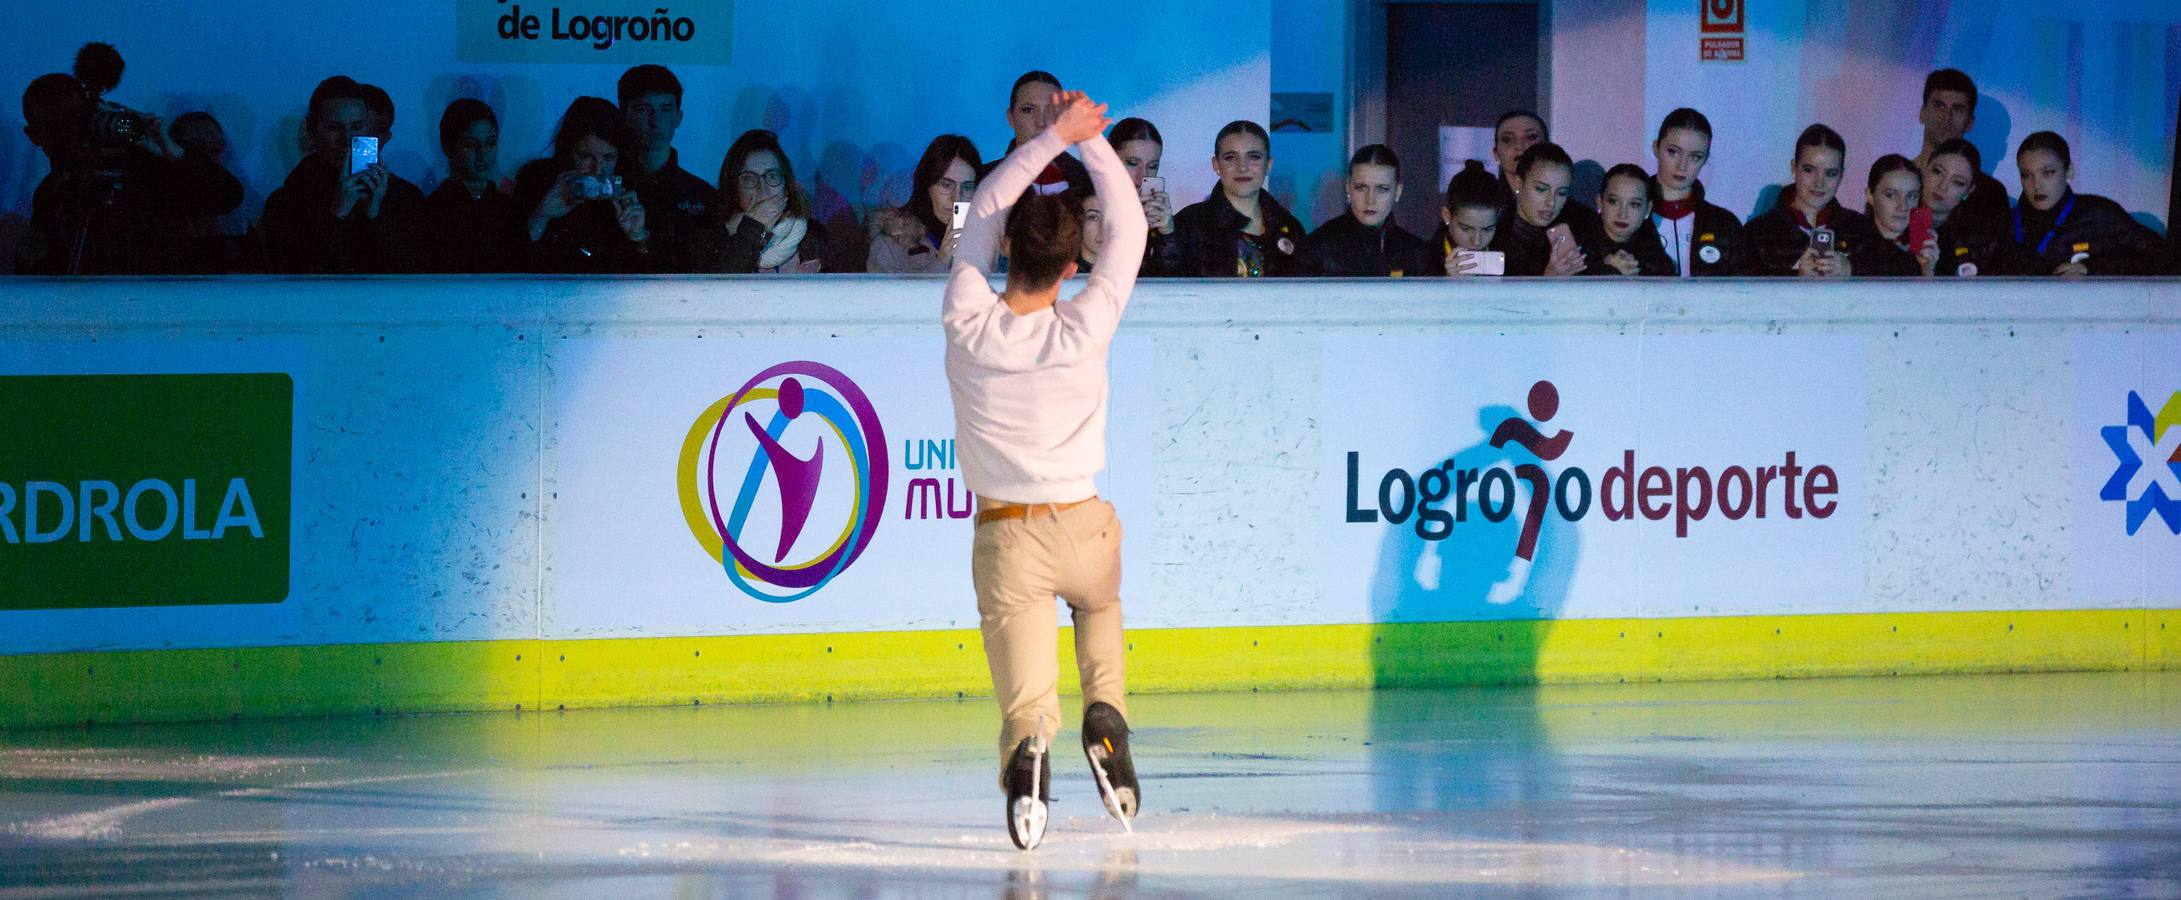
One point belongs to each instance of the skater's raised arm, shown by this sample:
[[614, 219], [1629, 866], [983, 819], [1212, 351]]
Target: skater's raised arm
[[1126, 231], [988, 213]]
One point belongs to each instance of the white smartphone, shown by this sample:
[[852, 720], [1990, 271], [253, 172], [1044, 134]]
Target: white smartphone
[[1153, 184], [961, 218], [363, 153], [1487, 262]]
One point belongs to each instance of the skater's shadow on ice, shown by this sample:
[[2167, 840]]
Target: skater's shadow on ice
[[1466, 612], [1490, 610]]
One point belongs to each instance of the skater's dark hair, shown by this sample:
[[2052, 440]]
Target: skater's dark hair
[[1044, 237]]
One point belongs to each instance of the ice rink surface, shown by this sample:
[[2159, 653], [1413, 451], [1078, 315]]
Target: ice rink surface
[[1988, 786]]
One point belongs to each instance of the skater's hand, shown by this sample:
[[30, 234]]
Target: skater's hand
[[1080, 119]]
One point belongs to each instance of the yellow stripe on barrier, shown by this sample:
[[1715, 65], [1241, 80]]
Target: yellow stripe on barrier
[[185, 685]]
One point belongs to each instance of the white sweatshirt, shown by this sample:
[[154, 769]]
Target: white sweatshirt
[[1030, 390]]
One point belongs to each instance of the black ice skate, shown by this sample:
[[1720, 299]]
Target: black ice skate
[[1105, 744], [1029, 779]]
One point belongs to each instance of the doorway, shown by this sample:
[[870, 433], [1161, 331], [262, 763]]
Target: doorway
[[1446, 65]]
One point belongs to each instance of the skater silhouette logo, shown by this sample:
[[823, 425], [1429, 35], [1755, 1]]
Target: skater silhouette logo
[[1544, 403], [2148, 477], [811, 405]]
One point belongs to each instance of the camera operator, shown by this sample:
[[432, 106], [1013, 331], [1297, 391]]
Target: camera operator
[[334, 217], [119, 190], [583, 219]]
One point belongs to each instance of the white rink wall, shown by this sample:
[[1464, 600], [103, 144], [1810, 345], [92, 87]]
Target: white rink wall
[[434, 444]]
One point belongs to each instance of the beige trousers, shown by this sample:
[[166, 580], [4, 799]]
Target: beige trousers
[[1019, 566]]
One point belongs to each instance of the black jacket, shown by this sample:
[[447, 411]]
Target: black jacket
[[472, 234], [1069, 170], [141, 232], [712, 248], [1528, 247], [1971, 245], [1891, 259], [1346, 247], [587, 240], [1211, 238], [1651, 258], [301, 234], [1777, 239], [1162, 255], [1716, 234], [676, 204], [2116, 244], [1987, 198]]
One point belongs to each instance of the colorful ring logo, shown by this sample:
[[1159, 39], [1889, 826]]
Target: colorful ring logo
[[803, 387]]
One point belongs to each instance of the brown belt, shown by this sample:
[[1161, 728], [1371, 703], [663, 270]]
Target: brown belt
[[996, 511]]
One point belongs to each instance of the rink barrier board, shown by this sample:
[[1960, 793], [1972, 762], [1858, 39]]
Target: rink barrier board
[[523, 674], [2007, 345]]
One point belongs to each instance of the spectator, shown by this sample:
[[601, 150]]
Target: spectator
[[1893, 194], [1538, 239], [1949, 110], [1470, 222], [111, 207], [1239, 231], [2074, 234], [1514, 134], [328, 219], [1363, 241], [916, 237], [210, 249], [676, 203], [1140, 146], [1780, 239], [766, 226], [1700, 237], [1029, 110], [1094, 238], [472, 225], [1624, 242], [379, 108], [581, 217], [1969, 245]]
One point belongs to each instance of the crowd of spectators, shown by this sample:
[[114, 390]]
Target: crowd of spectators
[[130, 194]]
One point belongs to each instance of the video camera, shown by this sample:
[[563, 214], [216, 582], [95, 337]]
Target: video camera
[[105, 124]]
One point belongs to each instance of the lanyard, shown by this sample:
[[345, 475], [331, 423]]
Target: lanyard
[[2050, 232]]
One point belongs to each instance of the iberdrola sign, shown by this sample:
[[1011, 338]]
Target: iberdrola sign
[[144, 490]]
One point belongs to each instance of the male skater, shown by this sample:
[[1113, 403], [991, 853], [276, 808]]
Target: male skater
[[1028, 376]]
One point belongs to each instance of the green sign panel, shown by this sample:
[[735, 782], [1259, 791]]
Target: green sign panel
[[144, 490]]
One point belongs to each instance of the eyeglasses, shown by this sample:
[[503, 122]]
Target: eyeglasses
[[957, 188], [750, 180]]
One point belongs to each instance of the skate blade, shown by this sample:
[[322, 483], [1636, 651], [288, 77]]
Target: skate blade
[[1120, 802], [1026, 823]]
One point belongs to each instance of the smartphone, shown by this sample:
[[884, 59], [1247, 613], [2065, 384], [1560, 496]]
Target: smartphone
[[597, 187], [1821, 241], [1490, 262], [961, 218], [1153, 184], [363, 153], [1560, 234], [1919, 228]]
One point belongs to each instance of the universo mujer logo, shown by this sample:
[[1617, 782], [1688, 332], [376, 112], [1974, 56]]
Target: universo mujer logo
[[783, 482]]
